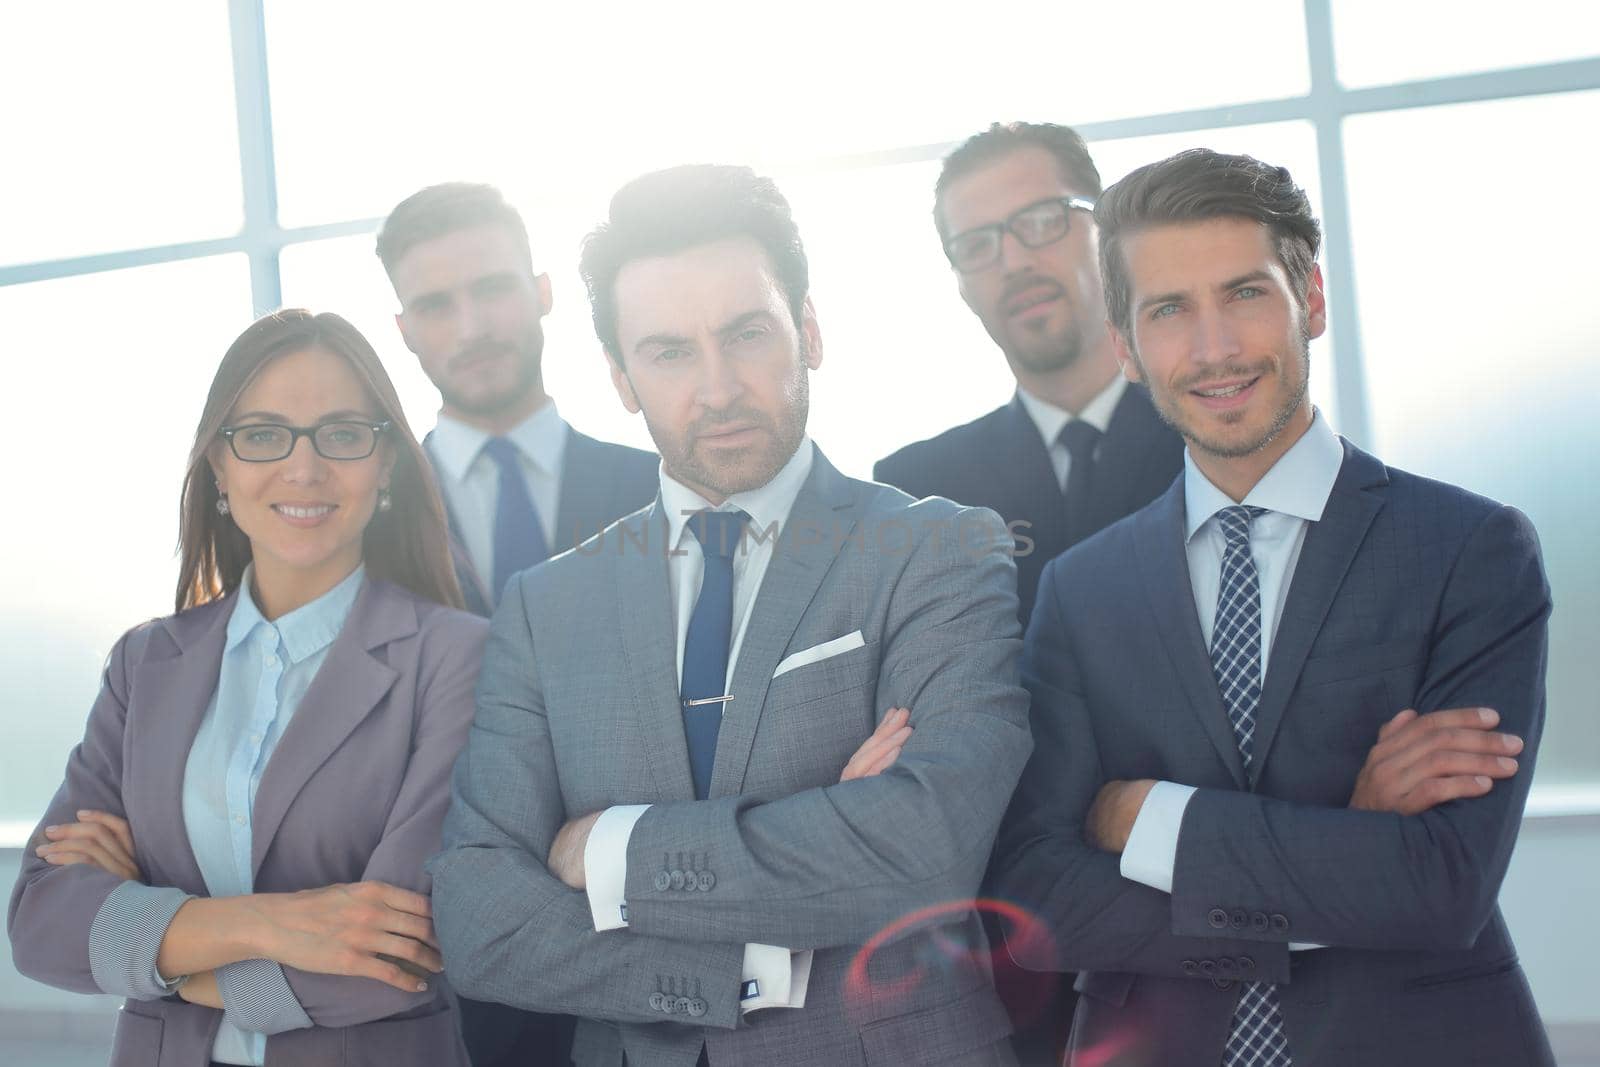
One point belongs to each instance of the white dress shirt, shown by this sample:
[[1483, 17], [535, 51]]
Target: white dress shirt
[[773, 977], [470, 480], [1294, 493], [1051, 420]]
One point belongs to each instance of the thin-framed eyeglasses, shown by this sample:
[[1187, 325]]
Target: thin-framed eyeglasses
[[1041, 223], [268, 442]]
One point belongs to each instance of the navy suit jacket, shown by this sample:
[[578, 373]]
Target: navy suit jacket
[[1408, 593], [600, 483], [999, 462]]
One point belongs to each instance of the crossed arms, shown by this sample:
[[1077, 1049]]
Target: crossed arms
[[1422, 871]]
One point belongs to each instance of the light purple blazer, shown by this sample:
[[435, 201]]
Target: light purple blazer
[[356, 789]]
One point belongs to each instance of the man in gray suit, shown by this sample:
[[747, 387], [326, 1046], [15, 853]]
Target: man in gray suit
[[649, 826]]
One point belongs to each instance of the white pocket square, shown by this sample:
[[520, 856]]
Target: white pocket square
[[838, 646]]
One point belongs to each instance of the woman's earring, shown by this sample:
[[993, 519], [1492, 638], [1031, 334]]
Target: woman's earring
[[222, 504], [385, 500]]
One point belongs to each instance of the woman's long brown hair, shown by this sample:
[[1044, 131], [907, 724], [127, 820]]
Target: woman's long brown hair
[[408, 545]]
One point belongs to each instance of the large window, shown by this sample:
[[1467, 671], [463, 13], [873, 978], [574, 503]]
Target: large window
[[170, 170]]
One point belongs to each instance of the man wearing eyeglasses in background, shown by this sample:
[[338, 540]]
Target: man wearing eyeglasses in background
[[519, 484], [1077, 447]]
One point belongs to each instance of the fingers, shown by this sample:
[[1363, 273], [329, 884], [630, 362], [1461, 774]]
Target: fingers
[[879, 751], [118, 827], [404, 950], [96, 843], [67, 854], [1437, 791], [103, 838], [388, 973], [1388, 729], [402, 900]]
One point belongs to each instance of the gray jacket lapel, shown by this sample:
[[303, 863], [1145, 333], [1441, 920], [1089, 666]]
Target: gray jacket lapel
[[649, 645], [177, 691], [824, 513], [1164, 566], [347, 687], [1325, 557]]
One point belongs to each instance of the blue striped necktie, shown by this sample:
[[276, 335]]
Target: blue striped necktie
[[1256, 1037]]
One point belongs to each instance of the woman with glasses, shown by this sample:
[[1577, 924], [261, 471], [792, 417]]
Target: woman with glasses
[[238, 846]]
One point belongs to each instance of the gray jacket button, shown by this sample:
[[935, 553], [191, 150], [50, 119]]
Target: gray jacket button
[[663, 881], [706, 881]]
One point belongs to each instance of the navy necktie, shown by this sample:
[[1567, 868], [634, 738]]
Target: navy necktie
[[1080, 440], [518, 534], [705, 648], [1257, 1037]]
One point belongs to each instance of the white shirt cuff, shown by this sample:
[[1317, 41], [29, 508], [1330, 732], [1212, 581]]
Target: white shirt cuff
[[1152, 850], [773, 977], [605, 865], [1151, 853]]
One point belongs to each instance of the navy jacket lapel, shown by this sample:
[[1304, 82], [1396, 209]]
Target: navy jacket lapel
[[1164, 568], [348, 686], [1325, 557], [586, 486], [649, 645], [819, 524]]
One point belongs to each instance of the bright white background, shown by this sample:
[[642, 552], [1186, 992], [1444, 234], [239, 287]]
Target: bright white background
[[1471, 226]]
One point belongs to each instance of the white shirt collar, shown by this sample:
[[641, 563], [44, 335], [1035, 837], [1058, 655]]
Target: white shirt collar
[[766, 505], [541, 438], [1299, 484], [1050, 419]]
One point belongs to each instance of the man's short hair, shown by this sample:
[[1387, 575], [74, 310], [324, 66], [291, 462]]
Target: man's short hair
[[1194, 186], [444, 209], [670, 211], [1002, 139]]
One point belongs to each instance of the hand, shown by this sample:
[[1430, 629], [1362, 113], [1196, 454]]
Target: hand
[[202, 989], [566, 851], [878, 752], [345, 929], [1111, 816], [100, 839], [1424, 760]]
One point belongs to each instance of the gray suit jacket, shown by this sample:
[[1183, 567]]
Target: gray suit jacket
[[578, 710], [356, 789], [1408, 593]]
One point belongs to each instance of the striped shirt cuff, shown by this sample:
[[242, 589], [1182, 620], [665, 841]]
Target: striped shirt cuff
[[125, 939], [256, 997]]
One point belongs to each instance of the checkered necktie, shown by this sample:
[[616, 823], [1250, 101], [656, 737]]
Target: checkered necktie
[[1257, 1038]]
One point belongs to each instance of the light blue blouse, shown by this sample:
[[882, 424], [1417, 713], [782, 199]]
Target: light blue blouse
[[265, 672]]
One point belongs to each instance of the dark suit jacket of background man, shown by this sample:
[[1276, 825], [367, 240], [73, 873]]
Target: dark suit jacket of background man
[[600, 483], [1000, 462], [1407, 593]]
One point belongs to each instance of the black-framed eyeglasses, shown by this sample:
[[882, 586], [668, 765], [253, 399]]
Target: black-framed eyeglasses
[[268, 442], [1036, 225]]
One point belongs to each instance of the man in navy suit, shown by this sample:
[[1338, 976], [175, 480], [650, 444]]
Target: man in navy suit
[[1269, 809], [1077, 447], [519, 484]]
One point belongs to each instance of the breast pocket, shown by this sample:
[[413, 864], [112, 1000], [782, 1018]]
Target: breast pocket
[[814, 719]]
